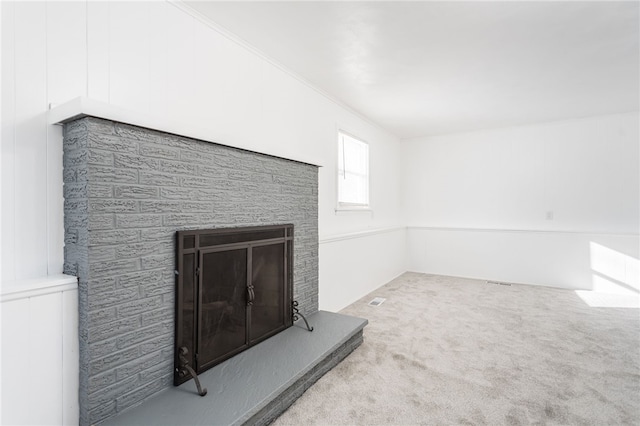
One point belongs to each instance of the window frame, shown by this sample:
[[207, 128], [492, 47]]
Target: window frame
[[346, 206]]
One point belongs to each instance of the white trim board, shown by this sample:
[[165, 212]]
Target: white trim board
[[23, 289], [84, 107], [359, 234]]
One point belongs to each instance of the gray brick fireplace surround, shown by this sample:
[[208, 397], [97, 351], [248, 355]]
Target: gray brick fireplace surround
[[127, 190]]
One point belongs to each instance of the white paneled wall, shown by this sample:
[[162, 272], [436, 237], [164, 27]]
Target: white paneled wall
[[40, 352], [66, 60], [369, 260], [601, 262], [97, 57], [43, 61], [155, 58], [7, 144], [29, 199]]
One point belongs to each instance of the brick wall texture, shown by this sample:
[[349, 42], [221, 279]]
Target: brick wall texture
[[127, 191]]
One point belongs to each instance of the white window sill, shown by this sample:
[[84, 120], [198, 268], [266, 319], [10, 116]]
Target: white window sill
[[353, 209]]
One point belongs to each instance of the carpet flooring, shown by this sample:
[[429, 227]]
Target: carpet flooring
[[445, 351]]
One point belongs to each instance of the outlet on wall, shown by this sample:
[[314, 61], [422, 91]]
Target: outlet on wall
[[549, 215]]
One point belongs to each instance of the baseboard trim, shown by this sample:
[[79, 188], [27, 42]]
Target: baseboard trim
[[509, 281]]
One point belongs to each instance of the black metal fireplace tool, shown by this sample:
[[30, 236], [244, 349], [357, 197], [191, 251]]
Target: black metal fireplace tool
[[296, 312], [185, 369]]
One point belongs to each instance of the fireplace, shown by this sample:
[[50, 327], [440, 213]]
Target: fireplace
[[233, 290], [129, 193]]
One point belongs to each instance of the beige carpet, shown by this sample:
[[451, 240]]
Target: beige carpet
[[447, 351]]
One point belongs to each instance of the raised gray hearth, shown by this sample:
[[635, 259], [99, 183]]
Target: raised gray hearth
[[127, 191], [257, 385]]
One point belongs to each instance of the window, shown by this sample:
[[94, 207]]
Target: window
[[353, 172]]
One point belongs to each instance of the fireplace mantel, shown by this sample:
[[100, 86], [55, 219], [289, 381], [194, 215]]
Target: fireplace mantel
[[86, 107]]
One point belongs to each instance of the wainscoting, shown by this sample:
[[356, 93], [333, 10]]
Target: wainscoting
[[355, 264], [605, 263], [40, 371]]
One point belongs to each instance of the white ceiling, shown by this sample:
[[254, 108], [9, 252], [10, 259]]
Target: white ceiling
[[424, 68]]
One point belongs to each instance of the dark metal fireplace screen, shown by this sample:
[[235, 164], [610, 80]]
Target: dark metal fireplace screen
[[233, 290]]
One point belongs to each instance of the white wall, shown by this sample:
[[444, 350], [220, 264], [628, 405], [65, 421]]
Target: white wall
[[368, 259], [476, 204], [157, 59]]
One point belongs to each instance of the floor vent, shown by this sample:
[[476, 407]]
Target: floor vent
[[498, 283], [377, 301]]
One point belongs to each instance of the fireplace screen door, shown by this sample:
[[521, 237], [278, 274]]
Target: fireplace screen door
[[234, 289]]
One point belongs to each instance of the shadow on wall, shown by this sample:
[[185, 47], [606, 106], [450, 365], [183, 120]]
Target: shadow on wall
[[615, 279]]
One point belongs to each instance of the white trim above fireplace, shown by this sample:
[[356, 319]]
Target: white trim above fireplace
[[82, 107]]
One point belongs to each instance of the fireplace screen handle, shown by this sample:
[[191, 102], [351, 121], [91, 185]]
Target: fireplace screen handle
[[184, 365], [250, 295]]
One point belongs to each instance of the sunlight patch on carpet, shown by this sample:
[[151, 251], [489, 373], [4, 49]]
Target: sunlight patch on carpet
[[605, 300]]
